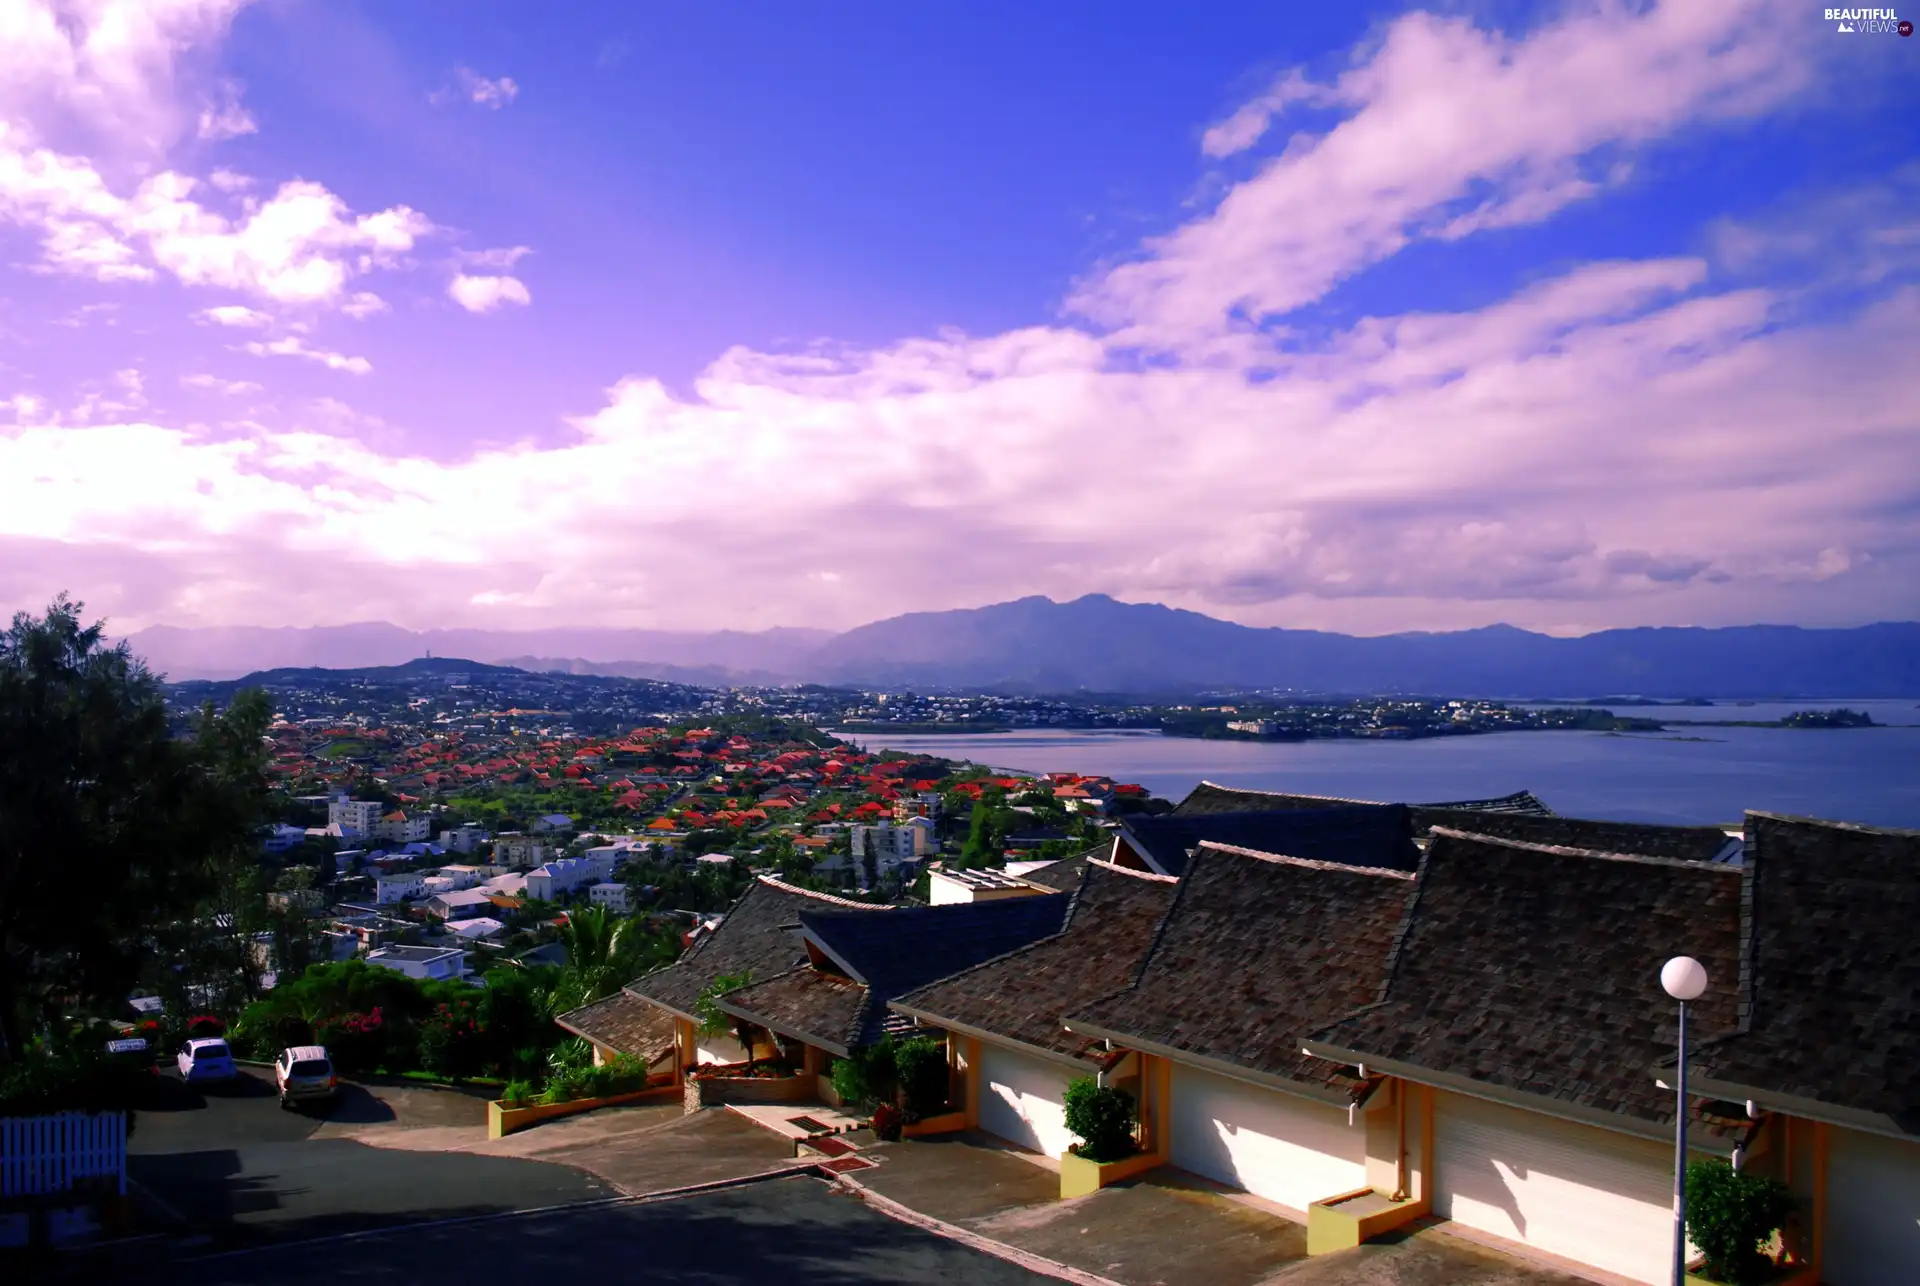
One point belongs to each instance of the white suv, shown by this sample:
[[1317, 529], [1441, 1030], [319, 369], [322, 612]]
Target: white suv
[[304, 1073]]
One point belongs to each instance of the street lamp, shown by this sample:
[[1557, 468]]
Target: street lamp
[[1684, 978]]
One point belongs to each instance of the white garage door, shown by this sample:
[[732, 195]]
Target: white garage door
[[1023, 1100], [1873, 1210], [1278, 1146], [1594, 1196]]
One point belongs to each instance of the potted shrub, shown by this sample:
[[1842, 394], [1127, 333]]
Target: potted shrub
[[1104, 1118], [920, 1066], [1731, 1216]]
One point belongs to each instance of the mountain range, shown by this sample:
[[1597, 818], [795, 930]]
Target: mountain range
[[1096, 643]]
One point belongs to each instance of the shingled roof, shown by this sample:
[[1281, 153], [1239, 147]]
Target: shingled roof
[[876, 958], [1536, 971], [1684, 843], [1022, 996], [1255, 951], [1208, 797], [1064, 875], [1834, 1029], [1354, 834], [757, 937], [625, 1024]]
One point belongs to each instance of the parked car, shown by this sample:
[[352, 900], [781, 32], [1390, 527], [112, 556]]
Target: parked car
[[206, 1060], [304, 1073]]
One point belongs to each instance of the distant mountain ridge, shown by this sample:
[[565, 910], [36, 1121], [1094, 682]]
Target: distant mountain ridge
[[1099, 644]]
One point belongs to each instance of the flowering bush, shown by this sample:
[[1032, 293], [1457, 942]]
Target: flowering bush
[[206, 1027], [452, 1042], [356, 1042], [887, 1120]]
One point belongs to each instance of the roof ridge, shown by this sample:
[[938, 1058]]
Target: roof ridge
[[1287, 794], [1831, 824], [1311, 863], [1562, 850], [780, 884], [1155, 876]]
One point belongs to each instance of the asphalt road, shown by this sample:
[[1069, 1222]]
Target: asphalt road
[[796, 1229], [231, 1165]]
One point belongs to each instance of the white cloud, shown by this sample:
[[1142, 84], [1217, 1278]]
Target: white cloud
[[229, 181], [236, 315], [215, 384], [1449, 129], [294, 346], [224, 117], [364, 304], [484, 294], [500, 257], [470, 86]]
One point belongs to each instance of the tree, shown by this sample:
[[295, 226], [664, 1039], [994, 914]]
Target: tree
[[715, 1021], [603, 953], [92, 782]]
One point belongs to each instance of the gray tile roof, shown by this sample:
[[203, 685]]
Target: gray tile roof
[[825, 1009], [1355, 834], [1208, 797], [1537, 970], [1835, 971], [1255, 951], [757, 937], [1023, 995], [625, 1023], [1685, 843], [1064, 875]]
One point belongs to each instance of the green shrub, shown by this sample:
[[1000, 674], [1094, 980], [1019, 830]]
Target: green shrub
[[1731, 1215], [920, 1065], [1103, 1118], [517, 1094], [557, 1091], [867, 1076]]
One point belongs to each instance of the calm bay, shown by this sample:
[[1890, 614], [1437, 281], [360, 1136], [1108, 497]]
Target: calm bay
[[1684, 775]]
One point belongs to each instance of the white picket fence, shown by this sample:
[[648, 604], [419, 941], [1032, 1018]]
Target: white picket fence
[[40, 1155]]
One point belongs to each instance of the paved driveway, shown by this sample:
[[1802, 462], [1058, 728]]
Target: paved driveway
[[786, 1230], [231, 1165]]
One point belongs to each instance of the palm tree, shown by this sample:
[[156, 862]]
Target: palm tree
[[603, 952]]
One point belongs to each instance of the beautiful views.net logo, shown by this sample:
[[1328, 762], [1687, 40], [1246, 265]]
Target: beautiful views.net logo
[[1869, 21]]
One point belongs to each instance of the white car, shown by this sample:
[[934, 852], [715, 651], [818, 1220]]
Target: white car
[[205, 1060], [304, 1073]]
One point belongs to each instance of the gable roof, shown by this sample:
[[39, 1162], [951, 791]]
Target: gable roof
[[757, 937], [1064, 875], [623, 1023], [1255, 951], [1834, 1026], [1208, 797], [1023, 996], [1685, 843], [1354, 834], [1536, 971], [873, 959]]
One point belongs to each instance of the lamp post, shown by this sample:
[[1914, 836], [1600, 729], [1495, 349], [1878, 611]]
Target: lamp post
[[1684, 978]]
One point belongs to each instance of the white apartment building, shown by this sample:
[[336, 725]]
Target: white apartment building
[[564, 875], [399, 827], [421, 962], [388, 889], [353, 816], [463, 839], [891, 845], [515, 849], [615, 897]]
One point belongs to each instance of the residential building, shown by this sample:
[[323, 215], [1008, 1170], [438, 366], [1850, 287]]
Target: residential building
[[463, 839], [552, 824], [400, 827], [562, 876], [421, 962], [615, 897], [890, 845], [945, 887], [401, 886], [919, 803], [626, 1026], [480, 928], [516, 850], [280, 838], [353, 816], [458, 904]]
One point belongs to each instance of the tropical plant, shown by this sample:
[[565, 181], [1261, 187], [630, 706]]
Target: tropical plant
[[1103, 1118], [920, 1066], [1731, 1215], [867, 1075], [715, 1021], [518, 1093]]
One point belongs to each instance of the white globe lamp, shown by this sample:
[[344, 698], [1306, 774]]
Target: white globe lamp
[[1684, 978]]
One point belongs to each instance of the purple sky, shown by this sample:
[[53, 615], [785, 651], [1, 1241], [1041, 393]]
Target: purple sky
[[1570, 316]]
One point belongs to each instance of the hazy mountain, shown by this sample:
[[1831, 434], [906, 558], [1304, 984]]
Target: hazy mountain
[[227, 652], [1095, 643]]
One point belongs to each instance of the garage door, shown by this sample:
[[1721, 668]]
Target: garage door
[[1873, 1210], [1594, 1196], [1023, 1100], [1278, 1146]]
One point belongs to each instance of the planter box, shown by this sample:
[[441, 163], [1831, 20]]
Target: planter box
[[1784, 1275], [717, 1091], [928, 1126], [1342, 1222], [503, 1120], [1079, 1176]]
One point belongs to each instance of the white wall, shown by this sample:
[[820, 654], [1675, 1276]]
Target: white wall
[[1283, 1147], [1873, 1210], [1023, 1099]]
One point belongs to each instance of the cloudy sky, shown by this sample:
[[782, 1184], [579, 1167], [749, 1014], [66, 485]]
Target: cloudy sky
[[686, 315]]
